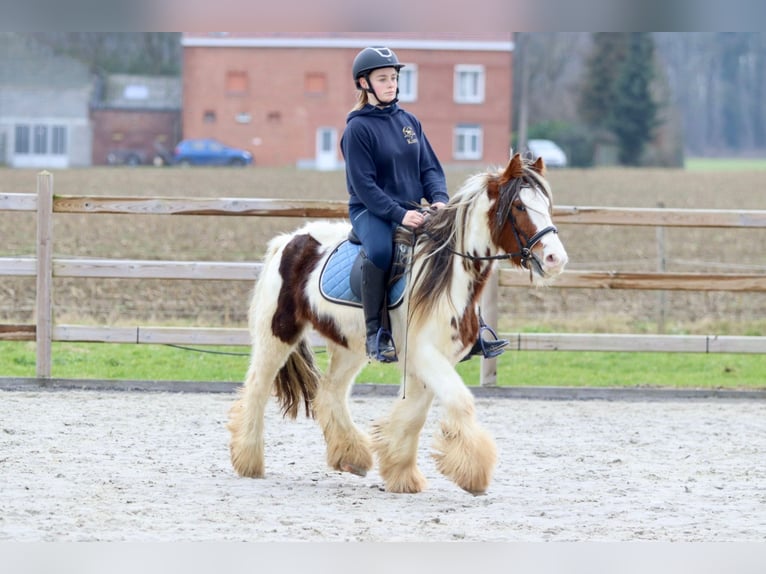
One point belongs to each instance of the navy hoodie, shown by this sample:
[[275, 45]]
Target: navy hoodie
[[390, 166]]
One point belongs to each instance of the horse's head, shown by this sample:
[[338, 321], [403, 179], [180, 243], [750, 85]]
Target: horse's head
[[520, 219]]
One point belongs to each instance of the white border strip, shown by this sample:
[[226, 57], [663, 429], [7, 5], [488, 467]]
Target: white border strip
[[468, 45]]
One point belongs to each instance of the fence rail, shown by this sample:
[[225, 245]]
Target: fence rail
[[44, 267]]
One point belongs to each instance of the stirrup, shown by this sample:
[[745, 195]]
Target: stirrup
[[491, 348], [386, 354], [488, 348]]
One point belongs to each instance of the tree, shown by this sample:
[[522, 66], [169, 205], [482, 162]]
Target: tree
[[601, 70], [616, 95], [633, 113], [146, 53]]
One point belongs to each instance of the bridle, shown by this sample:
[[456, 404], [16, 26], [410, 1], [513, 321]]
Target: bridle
[[525, 253]]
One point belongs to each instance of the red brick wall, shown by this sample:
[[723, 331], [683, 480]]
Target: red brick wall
[[284, 119], [133, 129]]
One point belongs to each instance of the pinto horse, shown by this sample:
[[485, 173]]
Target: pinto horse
[[498, 215]]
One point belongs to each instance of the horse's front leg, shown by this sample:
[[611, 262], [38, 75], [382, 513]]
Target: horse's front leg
[[395, 439], [463, 450], [348, 448]]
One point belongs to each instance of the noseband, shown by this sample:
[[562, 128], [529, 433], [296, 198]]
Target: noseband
[[525, 251]]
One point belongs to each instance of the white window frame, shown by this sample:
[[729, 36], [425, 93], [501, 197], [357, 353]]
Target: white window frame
[[41, 139], [45, 143], [469, 84], [468, 142], [411, 93]]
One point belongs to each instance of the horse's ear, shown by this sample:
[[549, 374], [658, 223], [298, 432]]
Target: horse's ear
[[514, 169], [539, 166]]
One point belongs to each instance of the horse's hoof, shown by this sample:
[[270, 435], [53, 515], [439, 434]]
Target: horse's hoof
[[353, 469]]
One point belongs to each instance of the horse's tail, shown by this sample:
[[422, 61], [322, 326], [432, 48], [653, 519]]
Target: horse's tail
[[298, 379]]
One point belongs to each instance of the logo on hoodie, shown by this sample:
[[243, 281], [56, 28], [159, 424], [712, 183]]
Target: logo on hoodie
[[409, 135]]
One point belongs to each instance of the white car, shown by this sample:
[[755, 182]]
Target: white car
[[552, 154]]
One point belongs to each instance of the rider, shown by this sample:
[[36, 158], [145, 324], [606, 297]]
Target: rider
[[390, 169]]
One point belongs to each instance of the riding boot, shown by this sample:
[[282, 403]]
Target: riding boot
[[380, 344]]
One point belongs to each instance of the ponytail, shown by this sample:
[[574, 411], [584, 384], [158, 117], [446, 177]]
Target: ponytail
[[361, 100]]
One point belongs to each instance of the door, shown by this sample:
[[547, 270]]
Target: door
[[326, 149]]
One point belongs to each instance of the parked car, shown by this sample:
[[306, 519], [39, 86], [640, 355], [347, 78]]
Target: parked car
[[131, 157], [209, 152], [552, 154]]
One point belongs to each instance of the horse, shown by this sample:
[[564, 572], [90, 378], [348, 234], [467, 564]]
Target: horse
[[499, 214]]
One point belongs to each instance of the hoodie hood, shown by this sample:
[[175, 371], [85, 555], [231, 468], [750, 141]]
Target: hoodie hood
[[372, 111]]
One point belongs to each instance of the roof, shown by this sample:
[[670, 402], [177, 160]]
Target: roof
[[493, 42]]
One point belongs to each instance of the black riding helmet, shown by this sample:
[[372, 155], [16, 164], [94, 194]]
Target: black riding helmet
[[370, 59]]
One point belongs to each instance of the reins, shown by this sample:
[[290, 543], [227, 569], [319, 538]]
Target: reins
[[525, 251]]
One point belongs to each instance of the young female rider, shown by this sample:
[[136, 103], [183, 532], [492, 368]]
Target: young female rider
[[390, 168]]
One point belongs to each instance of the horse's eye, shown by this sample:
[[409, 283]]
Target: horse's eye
[[520, 207]]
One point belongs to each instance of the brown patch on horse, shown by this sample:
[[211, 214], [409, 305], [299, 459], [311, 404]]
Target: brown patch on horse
[[330, 330], [506, 212], [468, 326], [299, 258]]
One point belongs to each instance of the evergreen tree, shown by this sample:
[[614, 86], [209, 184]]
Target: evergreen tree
[[601, 70], [633, 113], [616, 95]]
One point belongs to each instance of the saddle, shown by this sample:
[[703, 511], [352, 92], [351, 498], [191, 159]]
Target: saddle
[[341, 278]]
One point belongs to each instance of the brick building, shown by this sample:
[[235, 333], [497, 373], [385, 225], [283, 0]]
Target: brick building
[[285, 97], [135, 118]]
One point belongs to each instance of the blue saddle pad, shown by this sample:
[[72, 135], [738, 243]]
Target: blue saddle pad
[[335, 279]]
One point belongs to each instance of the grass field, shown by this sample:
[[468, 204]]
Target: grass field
[[528, 369], [224, 303], [725, 164]]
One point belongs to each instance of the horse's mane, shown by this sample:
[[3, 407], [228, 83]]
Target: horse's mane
[[445, 232]]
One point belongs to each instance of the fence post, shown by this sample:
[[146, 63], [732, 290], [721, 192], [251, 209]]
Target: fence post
[[488, 377], [44, 330], [662, 298]]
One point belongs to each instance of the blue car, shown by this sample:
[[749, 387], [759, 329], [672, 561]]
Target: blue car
[[209, 152]]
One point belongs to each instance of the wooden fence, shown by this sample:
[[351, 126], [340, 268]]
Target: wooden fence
[[44, 267]]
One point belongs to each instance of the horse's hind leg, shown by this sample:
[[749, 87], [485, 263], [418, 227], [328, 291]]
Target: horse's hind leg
[[348, 448], [395, 439], [246, 415]]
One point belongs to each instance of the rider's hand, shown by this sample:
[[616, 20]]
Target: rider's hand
[[413, 218], [438, 205]]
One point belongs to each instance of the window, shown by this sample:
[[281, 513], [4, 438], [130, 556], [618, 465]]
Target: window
[[236, 82], [408, 83], [58, 140], [40, 143], [40, 139], [315, 83], [468, 142], [135, 92], [22, 139], [469, 84], [326, 143]]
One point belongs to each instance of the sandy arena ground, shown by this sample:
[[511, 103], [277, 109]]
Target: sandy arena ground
[[139, 466]]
